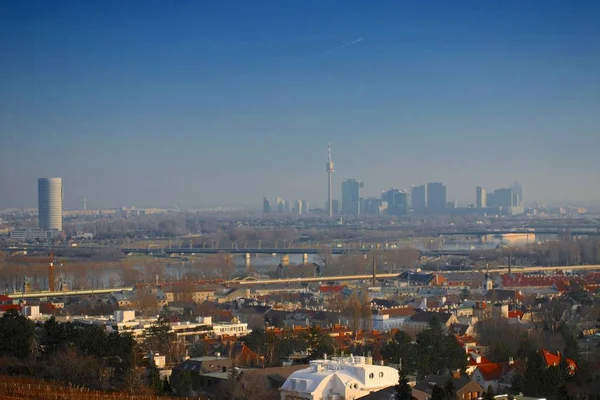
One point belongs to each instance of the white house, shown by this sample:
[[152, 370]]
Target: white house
[[337, 379], [390, 318]]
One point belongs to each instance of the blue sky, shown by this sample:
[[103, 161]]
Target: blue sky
[[156, 103]]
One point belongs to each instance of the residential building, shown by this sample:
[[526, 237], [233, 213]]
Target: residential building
[[33, 234], [184, 291], [209, 373], [498, 376], [267, 206], [351, 196], [436, 196], [421, 320], [466, 389], [234, 328], [391, 318], [419, 196], [299, 209], [280, 205], [508, 200], [397, 201], [481, 197], [50, 203], [374, 206], [338, 378], [553, 360]]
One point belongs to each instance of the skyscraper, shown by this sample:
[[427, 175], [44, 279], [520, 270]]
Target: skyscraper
[[351, 197], [299, 207], [509, 200], [517, 195], [280, 205], [436, 196], [50, 198], [267, 206], [329, 167], [481, 197], [419, 196], [397, 201]]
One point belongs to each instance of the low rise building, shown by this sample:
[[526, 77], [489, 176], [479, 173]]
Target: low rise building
[[421, 320], [338, 378], [391, 318]]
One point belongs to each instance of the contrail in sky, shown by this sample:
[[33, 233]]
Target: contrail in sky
[[337, 47]]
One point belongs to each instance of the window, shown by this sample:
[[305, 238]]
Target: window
[[371, 375], [381, 374]]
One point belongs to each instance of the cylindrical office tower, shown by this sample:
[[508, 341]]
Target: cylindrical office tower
[[50, 198]]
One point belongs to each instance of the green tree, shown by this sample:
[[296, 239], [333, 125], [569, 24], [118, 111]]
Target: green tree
[[197, 349], [450, 390], [464, 294], [319, 343], [500, 352], [16, 335], [401, 350], [438, 351], [153, 377], [534, 378], [446, 392], [54, 336], [403, 389], [183, 385], [438, 393], [166, 387], [160, 337], [571, 349], [489, 394]]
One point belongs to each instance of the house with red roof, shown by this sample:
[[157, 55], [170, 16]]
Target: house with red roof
[[331, 289], [516, 314], [498, 376], [553, 360], [474, 360], [6, 303]]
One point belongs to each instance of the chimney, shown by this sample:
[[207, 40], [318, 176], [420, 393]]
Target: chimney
[[456, 374], [374, 270]]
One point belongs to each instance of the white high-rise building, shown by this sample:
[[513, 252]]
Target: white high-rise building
[[50, 198]]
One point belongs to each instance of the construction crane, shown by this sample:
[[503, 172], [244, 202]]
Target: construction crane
[[52, 262]]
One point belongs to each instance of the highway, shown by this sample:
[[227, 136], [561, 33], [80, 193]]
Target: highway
[[252, 281], [291, 281], [237, 250], [592, 230], [37, 295]]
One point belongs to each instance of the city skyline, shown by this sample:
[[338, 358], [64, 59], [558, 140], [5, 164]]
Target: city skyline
[[143, 104]]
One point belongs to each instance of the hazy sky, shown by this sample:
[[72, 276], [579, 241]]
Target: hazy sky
[[156, 103]]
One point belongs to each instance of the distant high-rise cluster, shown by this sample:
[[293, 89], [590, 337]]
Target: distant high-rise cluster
[[508, 200], [282, 206], [424, 199]]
